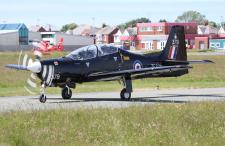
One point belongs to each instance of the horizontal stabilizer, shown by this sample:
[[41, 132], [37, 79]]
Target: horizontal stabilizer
[[200, 61], [189, 61], [18, 67]]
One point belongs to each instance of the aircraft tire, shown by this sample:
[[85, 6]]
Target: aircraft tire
[[124, 95], [65, 94], [42, 98]]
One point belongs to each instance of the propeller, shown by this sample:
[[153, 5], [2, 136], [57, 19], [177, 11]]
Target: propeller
[[29, 62]]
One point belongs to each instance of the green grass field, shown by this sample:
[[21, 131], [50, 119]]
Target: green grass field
[[208, 75], [192, 124]]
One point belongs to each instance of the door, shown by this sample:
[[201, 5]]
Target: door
[[201, 45]]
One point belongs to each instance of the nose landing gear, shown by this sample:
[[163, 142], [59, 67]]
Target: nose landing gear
[[42, 97]]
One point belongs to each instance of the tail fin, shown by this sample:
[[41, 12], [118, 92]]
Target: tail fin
[[175, 48], [60, 44]]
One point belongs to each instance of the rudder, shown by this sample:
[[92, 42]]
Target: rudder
[[175, 48]]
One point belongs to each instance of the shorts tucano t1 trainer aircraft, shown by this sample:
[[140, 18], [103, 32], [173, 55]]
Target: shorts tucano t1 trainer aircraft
[[107, 63]]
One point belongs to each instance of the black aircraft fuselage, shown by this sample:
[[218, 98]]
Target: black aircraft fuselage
[[71, 70]]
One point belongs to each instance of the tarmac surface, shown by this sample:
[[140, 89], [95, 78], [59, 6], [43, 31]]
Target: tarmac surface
[[112, 99]]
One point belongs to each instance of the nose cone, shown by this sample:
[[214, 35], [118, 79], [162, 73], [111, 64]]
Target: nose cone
[[35, 67]]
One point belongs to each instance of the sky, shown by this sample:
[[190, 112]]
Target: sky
[[96, 12]]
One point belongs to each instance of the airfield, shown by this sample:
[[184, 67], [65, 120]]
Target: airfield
[[187, 110], [112, 99]]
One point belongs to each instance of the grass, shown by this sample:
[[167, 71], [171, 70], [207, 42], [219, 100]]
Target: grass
[[163, 124], [201, 76]]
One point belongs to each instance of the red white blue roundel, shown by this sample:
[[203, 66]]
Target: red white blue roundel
[[137, 65]]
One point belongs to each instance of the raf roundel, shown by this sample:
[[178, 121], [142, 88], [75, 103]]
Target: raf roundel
[[137, 65]]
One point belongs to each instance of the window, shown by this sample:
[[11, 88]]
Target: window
[[149, 28], [106, 49], [212, 45], [143, 45], [146, 29], [47, 35], [162, 45], [159, 28], [84, 53], [217, 45], [132, 44], [149, 45]]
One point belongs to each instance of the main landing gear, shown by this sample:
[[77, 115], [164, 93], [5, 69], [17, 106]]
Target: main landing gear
[[66, 93], [125, 94]]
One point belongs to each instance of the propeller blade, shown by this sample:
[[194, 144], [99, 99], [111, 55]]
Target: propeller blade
[[15, 66]]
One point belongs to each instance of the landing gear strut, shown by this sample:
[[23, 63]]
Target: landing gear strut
[[42, 97], [125, 94], [66, 93]]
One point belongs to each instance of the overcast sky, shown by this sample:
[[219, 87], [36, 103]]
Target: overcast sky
[[96, 12]]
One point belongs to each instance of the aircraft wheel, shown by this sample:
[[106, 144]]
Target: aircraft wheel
[[42, 98], [66, 93], [124, 95]]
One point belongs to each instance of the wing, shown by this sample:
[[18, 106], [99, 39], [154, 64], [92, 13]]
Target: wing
[[150, 70]]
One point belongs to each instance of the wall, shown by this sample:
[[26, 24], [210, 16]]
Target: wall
[[217, 43], [9, 39], [73, 40], [201, 42], [34, 36]]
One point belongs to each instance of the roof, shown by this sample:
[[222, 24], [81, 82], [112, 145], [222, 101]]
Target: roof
[[84, 29], [132, 31], [106, 30], [202, 29], [36, 28], [13, 26], [221, 30]]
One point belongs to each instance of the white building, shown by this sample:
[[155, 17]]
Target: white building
[[69, 40]]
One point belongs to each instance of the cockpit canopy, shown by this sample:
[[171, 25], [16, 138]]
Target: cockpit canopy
[[92, 51]]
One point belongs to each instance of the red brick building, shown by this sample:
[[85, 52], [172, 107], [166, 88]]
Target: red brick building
[[154, 35], [106, 35]]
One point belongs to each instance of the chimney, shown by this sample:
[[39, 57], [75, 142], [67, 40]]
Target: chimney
[[49, 28]]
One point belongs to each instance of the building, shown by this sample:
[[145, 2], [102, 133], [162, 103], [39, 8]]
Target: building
[[13, 34], [70, 41], [83, 30], [117, 37], [106, 35], [205, 33], [152, 36], [207, 29], [36, 28], [217, 43], [127, 36]]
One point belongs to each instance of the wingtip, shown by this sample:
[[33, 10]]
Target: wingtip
[[208, 61]]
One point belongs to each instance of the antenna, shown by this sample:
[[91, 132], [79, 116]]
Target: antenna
[[222, 21]]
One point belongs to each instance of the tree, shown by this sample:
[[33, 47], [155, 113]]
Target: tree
[[192, 16], [103, 25], [69, 26], [213, 24], [162, 20], [132, 23]]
